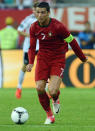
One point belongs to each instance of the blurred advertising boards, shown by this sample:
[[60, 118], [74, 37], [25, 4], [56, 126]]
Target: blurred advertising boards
[[73, 17], [77, 74]]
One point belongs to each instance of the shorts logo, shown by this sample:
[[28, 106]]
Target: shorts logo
[[62, 71]]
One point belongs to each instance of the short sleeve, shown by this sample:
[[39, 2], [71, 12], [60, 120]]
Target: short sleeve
[[24, 24]]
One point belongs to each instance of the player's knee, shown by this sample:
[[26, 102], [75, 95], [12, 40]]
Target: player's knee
[[53, 92], [40, 87]]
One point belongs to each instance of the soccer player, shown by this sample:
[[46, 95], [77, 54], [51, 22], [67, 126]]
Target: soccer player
[[23, 30], [54, 38]]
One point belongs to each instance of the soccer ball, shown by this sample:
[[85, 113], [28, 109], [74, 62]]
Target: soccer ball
[[19, 115]]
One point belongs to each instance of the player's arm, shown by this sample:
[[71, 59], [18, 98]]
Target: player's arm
[[23, 26], [31, 51], [72, 42], [23, 33], [74, 45]]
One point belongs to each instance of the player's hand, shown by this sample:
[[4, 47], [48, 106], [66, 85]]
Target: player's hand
[[85, 59], [29, 67]]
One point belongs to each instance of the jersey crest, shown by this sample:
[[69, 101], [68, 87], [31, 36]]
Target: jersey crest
[[50, 34]]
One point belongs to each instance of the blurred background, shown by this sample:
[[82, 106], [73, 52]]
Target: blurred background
[[79, 18]]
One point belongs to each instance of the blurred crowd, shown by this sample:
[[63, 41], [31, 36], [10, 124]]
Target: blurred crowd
[[9, 35], [86, 38], [21, 4]]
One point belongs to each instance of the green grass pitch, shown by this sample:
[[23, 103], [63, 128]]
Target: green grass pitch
[[77, 111]]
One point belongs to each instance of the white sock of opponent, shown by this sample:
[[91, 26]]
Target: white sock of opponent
[[21, 78]]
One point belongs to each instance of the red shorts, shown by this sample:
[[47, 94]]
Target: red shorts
[[44, 68]]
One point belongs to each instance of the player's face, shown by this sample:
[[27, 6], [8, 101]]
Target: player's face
[[42, 15]]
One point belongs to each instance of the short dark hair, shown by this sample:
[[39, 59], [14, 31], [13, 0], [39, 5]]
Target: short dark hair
[[44, 5]]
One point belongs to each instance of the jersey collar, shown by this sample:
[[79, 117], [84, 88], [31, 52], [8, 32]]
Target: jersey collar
[[45, 25]]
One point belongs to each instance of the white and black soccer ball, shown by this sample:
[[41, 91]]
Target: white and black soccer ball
[[19, 115]]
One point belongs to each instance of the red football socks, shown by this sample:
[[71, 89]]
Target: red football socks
[[57, 96], [45, 102]]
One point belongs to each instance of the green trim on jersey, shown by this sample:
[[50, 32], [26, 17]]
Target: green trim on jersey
[[45, 25], [69, 38]]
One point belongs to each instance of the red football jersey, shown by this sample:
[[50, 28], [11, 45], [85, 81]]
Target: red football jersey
[[51, 39]]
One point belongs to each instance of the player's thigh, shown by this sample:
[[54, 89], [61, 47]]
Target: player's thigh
[[40, 85], [57, 69], [56, 75], [55, 82], [41, 70]]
